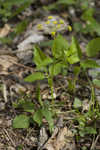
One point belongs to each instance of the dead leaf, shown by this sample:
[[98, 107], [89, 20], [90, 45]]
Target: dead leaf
[[6, 62], [60, 140], [5, 31]]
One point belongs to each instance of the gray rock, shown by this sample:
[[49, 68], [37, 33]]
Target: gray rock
[[2, 106]]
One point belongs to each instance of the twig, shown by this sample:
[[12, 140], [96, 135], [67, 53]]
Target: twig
[[94, 143], [5, 93], [5, 131]]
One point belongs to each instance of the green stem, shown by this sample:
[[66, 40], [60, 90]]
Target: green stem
[[50, 82]]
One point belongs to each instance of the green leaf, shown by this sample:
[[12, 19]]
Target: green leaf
[[34, 77], [14, 2], [22, 7], [60, 45], [96, 82], [77, 26], [87, 14], [20, 147], [74, 53], [85, 5], [96, 26], [89, 64], [21, 121], [20, 27], [55, 69], [28, 106], [66, 2], [90, 130], [48, 115], [38, 116], [40, 59], [46, 43], [7, 11], [93, 47], [52, 6], [77, 103], [6, 40], [72, 59], [91, 26], [76, 70]]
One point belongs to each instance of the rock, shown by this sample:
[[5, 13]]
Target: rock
[[2, 106], [27, 44], [24, 51], [25, 56]]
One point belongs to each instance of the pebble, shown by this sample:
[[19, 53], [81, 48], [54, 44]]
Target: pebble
[[2, 106]]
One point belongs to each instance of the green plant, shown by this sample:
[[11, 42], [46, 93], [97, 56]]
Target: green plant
[[64, 56], [87, 22], [36, 114], [58, 5], [7, 11], [10, 9], [86, 120]]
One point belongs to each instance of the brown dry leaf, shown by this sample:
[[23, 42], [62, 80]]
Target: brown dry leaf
[[5, 30], [9, 64], [11, 72], [86, 105], [6, 61], [61, 140]]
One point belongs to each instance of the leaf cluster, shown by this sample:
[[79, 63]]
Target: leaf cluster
[[35, 115], [11, 8], [63, 56]]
